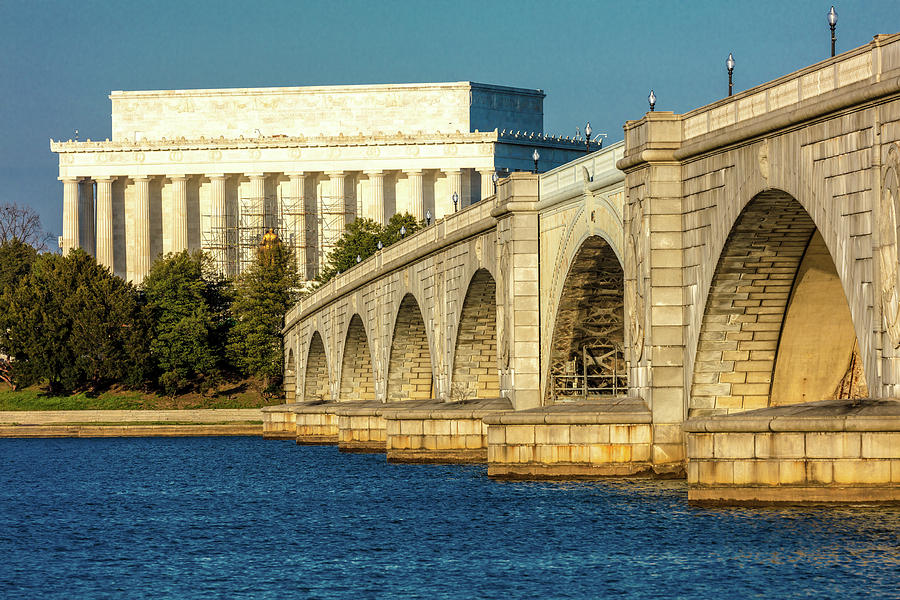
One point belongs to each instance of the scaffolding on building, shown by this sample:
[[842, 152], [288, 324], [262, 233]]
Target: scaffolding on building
[[234, 239]]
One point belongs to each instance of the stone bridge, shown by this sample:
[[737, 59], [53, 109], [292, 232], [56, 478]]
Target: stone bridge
[[739, 257]]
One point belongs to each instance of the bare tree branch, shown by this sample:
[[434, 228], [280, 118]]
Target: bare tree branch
[[24, 224]]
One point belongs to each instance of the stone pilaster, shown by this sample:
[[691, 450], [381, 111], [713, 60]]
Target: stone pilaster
[[71, 216], [654, 278], [141, 241], [297, 216], [416, 194], [518, 295], [105, 245], [376, 195], [487, 182], [179, 213], [86, 237]]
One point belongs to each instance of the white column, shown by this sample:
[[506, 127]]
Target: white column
[[298, 219], [179, 213], [416, 195], [86, 216], [376, 191], [70, 214], [454, 185], [257, 215], [141, 228], [487, 182], [218, 224], [105, 244], [337, 219]]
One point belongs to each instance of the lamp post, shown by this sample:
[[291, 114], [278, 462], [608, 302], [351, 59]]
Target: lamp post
[[358, 259], [587, 136], [832, 22], [536, 156], [729, 64], [379, 245], [455, 198], [495, 178], [652, 100], [428, 217], [402, 230]]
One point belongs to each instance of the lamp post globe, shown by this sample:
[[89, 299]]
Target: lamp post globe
[[495, 178], [358, 259], [535, 156], [652, 100], [379, 245], [402, 230], [832, 22], [455, 198], [428, 217], [729, 64], [587, 135]]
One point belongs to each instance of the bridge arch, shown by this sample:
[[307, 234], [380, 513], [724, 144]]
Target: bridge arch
[[777, 327], [357, 373], [587, 349], [410, 375], [475, 365], [316, 384]]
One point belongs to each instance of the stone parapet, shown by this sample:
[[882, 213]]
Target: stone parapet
[[831, 451], [279, 422], [439, 432], [579, 440]]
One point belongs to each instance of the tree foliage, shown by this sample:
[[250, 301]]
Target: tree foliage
[[73, 324], [263, 294], [187, 303], [360, 239], [22, 223]]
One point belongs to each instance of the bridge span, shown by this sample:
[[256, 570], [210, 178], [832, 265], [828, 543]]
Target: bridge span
[[715, 295]]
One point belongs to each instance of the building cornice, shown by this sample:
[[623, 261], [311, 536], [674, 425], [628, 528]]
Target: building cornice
[[222, 143]]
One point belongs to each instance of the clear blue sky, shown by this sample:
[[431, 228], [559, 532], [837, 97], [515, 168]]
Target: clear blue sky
[[596, 59]]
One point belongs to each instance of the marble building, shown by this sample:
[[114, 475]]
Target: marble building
[[212, 169]]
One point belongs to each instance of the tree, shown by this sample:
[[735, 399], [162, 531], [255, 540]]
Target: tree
[[360, 239], [187, 304], [398, 222], [263, 294], [16, 258], [76, 326], [22, 223]]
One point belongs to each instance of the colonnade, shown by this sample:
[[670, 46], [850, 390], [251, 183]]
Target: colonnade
[[137, 216]]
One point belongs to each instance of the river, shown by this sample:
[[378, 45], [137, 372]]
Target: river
[[248, 518]]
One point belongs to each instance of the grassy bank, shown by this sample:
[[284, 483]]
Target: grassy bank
[[35, 398]]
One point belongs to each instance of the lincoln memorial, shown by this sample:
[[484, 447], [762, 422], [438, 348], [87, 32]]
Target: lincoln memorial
[[213, 169]]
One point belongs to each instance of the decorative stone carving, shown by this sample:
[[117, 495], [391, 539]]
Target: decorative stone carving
[[634, 287], [763, 158], [887, 253]]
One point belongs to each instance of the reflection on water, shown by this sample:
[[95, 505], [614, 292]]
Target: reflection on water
[[242, 517]]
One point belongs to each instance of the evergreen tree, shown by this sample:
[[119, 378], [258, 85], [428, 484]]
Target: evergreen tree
[[76, 326], [187, 304], [263, 295]]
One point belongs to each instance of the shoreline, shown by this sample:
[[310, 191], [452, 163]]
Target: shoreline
[[131, 423]]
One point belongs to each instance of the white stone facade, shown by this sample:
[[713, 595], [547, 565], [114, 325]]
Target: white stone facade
[[210, 169]]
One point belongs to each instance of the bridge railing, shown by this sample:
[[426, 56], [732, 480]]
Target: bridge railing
[[395, 255], [600, 167], [826, 77]]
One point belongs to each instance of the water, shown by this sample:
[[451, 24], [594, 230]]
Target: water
[[248, 518]]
